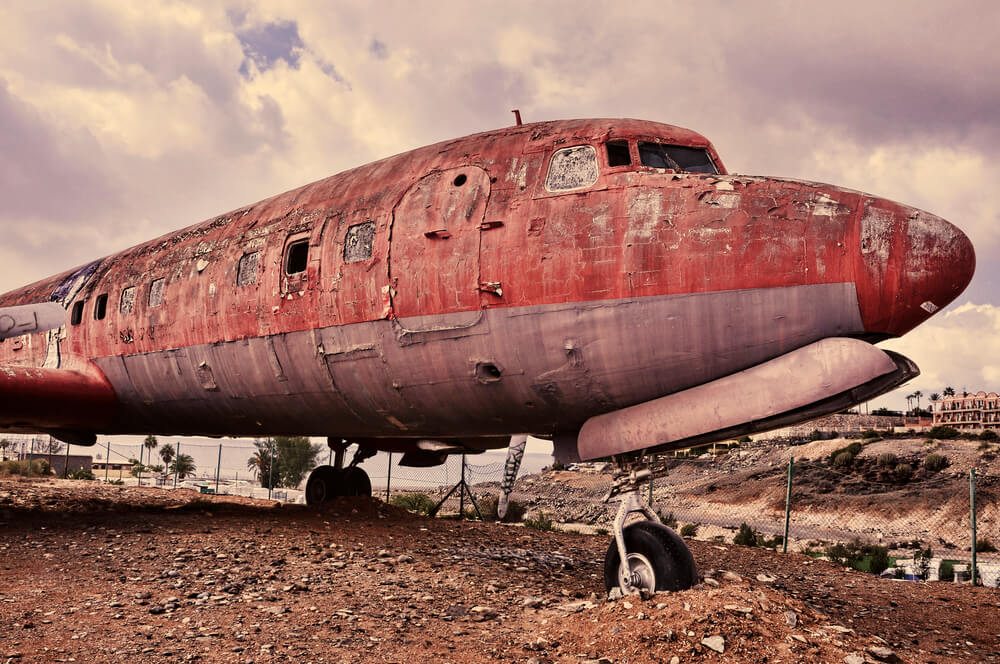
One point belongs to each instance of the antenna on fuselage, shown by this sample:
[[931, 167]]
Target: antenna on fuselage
[[517, 116]]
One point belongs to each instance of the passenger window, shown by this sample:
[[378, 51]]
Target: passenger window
[[156, 293], [359, 241], [101, 306], [618, 153], [76, 316], [246, 273], [127, 301], [572, 168], [692, 160], [297, 257]]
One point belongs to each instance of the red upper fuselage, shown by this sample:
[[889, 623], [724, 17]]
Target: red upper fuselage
[[534, 218]]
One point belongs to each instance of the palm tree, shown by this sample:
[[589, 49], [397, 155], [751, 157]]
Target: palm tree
[[949, 391], [935, 397], [4, 444], [150, 444], [260, 461], [183, 466], [167, 453], [917, 396]]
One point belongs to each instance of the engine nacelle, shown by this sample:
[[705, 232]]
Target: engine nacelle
[[822, 378]]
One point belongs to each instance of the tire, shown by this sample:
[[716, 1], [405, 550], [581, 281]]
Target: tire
[[355, 482], [686, 573], [651, 559], [322, 486]]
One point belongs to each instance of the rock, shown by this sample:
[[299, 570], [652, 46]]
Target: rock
[[456, 611], [383, 554], [709, 581], [791, 618], [675, 660], [732, 577], [854, 658], [736, 608], [404, 558], [716, 643], [602, 660], [766, 578], [531, 602], [883, 654], [481, 613]]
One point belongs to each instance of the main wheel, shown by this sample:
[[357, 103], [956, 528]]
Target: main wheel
[[654, 561], [355, 482], [322, 486]]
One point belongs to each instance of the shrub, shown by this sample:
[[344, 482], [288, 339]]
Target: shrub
[[488, 508], [903, 471], [540, 522], [984, 446], [414, 502], [746, 537], [851, 450], [601, 531], [871, 433], [25, 467], [947, 572], [843, 459], [943, 433], [935, 462], [988, 434], [983, 545], [887, 460], [689, 530], [79, 474], [670, 521], [879, 561], [847, 555]]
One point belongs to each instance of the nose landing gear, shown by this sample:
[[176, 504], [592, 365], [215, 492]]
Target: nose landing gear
[[328, 482], [646, 556]]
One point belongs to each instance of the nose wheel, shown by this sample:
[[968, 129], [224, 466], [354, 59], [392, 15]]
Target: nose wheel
[[328, 482], [645, 557]]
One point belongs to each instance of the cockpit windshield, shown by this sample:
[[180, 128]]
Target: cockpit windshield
[[676, 157]]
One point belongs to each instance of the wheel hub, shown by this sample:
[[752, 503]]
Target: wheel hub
[[641, 573]]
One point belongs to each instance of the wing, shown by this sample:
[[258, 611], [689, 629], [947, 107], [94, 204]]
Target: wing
[[31, 318], [55, 401]]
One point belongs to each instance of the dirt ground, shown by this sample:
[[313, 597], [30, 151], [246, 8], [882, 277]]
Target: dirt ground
[[98, 573]]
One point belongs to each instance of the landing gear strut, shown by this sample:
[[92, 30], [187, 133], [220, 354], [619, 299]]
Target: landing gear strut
[[646, 556], [328, 482]]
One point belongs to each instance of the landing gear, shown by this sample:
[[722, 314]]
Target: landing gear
[[645, 557], [328, 482]]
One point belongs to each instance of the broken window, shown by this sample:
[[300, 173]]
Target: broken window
[[101, 307], [297, 257], [676, 158], [127, 301], [156, 293], [618, 153], [572, 168], [76, 316], [246, 273], [359, 241]]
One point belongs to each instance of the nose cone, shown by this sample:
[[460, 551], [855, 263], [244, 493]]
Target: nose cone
[[911, 264]]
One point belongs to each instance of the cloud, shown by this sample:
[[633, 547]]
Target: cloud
[[267, 44]]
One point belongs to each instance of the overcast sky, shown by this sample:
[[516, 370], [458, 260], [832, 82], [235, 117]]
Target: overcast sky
[[121, 121]]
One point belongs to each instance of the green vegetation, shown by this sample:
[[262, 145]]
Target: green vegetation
[[843, 460], [540, 522], [747, 536], [988, 434], [293, 457], [983, 545], [943, 433], [871, 434], [414, 502], [689, 530], [864, 558], [25, 467], [78, 474], [935, 462], [183, 466], [670, 521], [850, 451], [903, 472], [601, 531], [887, 460]]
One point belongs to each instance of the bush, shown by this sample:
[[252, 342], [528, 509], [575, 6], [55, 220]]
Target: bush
[[488, 508], [670, 521], [887, 460], [540, 522], [851, 450], [879, 561], [988, 434], [983, 545], [943, 433], [79, 474], [414, 502], [935, 462], [600, 531], [843, 459], [689, 530], [848, 555], [903, 472], [871, 433], [984, 446], [25, 467], [746, 537]]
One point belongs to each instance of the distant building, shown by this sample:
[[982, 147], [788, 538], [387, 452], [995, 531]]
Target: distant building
[[969, 411], [59, 462]]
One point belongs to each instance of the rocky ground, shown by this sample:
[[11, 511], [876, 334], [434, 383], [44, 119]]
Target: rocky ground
[[97, 573]]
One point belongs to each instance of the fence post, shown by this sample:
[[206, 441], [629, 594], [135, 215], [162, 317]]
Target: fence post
[[177, 463], [107, 461], [461, 493], [270, 468], [218, 467], [651, 489], [66, 463], [388, 479], [788, 503], [972, 518]]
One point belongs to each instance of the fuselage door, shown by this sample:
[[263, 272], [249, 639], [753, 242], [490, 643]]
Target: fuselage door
[[434, 253]]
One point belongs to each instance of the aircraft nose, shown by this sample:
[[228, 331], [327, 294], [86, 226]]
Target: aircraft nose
[[911, 264]]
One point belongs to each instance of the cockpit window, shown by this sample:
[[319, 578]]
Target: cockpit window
[[676, 157], [618, 154], [572, 168]]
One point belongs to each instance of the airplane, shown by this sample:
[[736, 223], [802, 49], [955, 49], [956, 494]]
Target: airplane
[[603, 283]]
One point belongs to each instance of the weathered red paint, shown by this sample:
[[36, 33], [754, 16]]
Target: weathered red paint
[[500, 239]]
